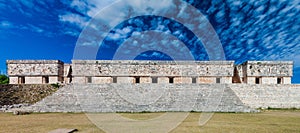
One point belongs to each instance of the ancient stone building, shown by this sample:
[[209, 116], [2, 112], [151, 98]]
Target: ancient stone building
[[93, 71], [132, 71], [264, 72], [159, 86], [35, 71]]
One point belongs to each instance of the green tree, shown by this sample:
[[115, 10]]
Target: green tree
[[4, 79]]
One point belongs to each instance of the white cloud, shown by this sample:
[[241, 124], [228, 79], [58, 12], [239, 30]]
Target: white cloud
[[250, 32], [97, 5], [81, 5], [74, 19]]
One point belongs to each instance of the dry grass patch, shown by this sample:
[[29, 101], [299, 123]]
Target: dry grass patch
[[141, 116], [265, 122], [268, 121], [43, 123]]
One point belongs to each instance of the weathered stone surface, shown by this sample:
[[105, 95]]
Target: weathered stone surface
[[273, 96], [169, 97], [151, 68], [128, 71], [142, 97], [35, 71], [11, 108], [34, 67], [269, 68], [268, 72], [21, 112]]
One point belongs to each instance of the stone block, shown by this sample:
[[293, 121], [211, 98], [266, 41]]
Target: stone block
[[145, 80], [183, 80], [287, 80], [53, 79], [125, 80], [206, 80], [162, 80], [79, 80], [251, 80], [226, 80], [102, 80], [13, 80], [269, 80], [33, 80]]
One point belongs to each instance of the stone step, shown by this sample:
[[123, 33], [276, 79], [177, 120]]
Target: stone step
[[141, 97]]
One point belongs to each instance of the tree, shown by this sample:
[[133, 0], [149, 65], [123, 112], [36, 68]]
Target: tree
[[4, 79]]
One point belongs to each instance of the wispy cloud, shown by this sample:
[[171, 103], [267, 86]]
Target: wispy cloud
[[6, 25], [261, 30], [74, 19]]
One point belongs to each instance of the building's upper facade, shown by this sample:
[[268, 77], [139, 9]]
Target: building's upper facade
[[35, 71], [108, 71], [133, 71], [266, 72]]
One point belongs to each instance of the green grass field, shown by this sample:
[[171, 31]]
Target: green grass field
[[266, 121]]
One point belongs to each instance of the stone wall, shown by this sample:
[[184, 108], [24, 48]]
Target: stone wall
[[131, 71], [273, 96], [151, 68], [169, 97], [34, 70], [269, 68], [34, 67], [268, 72], [181, 71]]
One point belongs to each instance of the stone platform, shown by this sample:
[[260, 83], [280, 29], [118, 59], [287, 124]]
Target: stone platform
[[169, 97]]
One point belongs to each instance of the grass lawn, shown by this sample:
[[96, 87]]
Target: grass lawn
[[267, 121]]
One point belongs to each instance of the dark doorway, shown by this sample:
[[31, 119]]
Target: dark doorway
[[154, 79], [218, 80], [114, 79], [279, 80], [89, 79], [257, 80], [171, 80], [45, 79], [21, 80], [137, 80], [194, 80]]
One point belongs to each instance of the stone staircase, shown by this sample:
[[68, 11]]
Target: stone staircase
[[142, 98]]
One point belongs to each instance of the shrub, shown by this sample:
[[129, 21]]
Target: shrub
[[4, 79], [55, 85]]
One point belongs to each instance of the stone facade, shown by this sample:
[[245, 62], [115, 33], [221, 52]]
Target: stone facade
[[265, 72], [153, 71], [132, 71], [137, 86], [35, 71]]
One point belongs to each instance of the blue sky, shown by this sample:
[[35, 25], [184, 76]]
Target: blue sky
[[247, 30]]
